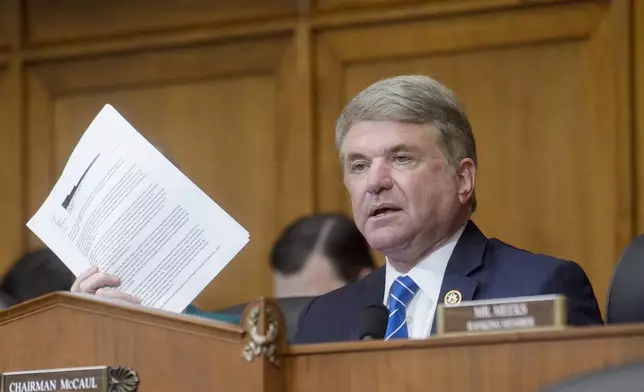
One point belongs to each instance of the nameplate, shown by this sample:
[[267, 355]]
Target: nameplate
[[86, 379], [503, 315]]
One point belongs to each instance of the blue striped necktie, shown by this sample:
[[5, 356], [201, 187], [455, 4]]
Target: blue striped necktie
[[402, 291]]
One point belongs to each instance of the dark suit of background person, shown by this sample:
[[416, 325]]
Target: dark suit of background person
[[408, 157]]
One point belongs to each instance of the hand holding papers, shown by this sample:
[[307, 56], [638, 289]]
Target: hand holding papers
[[121, 206]]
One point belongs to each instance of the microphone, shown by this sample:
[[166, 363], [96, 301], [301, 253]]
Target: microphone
[[373, 322]]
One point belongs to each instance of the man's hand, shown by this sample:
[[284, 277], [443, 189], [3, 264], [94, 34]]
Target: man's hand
[[101, 284]]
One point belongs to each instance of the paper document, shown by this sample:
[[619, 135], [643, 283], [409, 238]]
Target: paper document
[[119, 204]]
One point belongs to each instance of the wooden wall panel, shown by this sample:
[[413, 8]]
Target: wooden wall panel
[[64, 20], [568, 183], [550, 179], [11, 173], [217, 111]]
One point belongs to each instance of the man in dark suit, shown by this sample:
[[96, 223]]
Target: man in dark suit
[[479, 268], [409, 163]]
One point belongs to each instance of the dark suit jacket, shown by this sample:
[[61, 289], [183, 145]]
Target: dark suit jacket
[[480, 268]]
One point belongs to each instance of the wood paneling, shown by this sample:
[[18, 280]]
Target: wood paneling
[[223, 114], [64, 20], [550, 179], [547, 85], [11, 173], [409, 11]]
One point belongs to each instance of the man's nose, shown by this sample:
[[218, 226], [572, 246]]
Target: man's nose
[[379, 178]]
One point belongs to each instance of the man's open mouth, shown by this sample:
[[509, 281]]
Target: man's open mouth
[[382, 211]]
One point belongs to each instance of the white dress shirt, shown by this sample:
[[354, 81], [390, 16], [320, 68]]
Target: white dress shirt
[[428, 275]]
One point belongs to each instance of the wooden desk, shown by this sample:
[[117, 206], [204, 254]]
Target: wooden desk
[[173, 352], [510, 362]]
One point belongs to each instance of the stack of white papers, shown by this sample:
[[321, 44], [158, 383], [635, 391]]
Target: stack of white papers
[[122, 206]]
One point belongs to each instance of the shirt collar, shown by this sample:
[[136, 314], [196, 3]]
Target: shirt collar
[[428, 273]]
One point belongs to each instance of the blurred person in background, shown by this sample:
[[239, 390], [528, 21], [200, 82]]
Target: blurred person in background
[[312, 256], [317, 254], [35, 274]]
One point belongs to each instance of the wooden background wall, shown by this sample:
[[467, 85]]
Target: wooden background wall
[[243, 96]]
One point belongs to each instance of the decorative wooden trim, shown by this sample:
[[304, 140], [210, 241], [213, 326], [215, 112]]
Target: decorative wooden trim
[[329, 190], [295, 114], [265, 340], [175, 39], [259, 56], [48, 24], [265, 329], [372, 14]]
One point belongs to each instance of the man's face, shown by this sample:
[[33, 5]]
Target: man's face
[[405, 199]]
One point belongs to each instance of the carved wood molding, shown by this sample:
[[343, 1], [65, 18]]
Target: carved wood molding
[[265, 332]]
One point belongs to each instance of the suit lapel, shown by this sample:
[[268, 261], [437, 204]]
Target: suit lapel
[[375, 287], [466, 258]]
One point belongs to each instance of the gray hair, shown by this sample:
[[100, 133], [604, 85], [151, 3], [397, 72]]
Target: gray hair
[[419, 100]]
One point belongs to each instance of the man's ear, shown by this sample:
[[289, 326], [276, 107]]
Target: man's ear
[[466, 178]]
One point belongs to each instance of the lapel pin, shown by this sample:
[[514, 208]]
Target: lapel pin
[[453, 297]]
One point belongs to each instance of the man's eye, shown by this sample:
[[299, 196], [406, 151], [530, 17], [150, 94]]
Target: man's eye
[[402, 159], [357, 167]]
